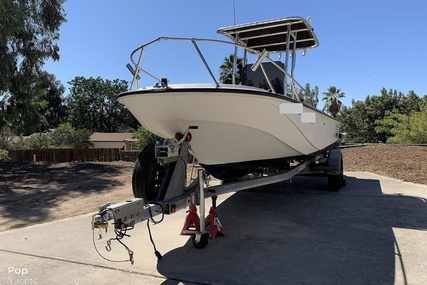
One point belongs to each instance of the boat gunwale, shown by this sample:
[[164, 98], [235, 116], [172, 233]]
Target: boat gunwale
[[203, 88]]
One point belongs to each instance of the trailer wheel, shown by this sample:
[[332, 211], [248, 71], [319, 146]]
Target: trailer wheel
[[148, 175], [335, 182], [204, 239]]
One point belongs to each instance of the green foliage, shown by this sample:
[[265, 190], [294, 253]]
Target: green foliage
[[4, 155], [390, 121], [144, 137], [65, 136], [226, 70], [19, 143], [411, 103], [54, 108], [6, 137], [37, 141], [354, 122], [407, 129], [93, 105], [23, 105], [309, 96], [332, 103], [28, 33], [61, 136], [80, 139], [384, 118], [33, 104]]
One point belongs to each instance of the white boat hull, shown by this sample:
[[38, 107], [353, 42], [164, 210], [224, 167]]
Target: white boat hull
[[235, 124]]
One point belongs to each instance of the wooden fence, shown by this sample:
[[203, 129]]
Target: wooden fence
[[67, 155]]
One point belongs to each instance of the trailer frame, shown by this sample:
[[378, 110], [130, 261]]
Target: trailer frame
[[130, 212]]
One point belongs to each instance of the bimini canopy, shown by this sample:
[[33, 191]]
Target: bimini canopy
[[272, 35]]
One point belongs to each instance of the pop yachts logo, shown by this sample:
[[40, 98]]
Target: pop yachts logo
[[18, 276]]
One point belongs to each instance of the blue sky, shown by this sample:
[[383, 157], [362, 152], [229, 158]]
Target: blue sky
[[364, 45]]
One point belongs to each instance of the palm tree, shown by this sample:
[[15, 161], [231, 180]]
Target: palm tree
[[226, 70], [332, 104]]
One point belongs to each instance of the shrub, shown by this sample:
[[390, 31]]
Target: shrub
[[4, 155]]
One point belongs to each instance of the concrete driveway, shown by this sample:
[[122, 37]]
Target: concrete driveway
[[371, 232]]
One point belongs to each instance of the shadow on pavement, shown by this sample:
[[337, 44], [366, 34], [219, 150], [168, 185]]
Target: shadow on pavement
[[29, 191], [300, 233]]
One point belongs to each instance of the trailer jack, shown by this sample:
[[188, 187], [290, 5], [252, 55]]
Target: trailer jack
[[195, 225]]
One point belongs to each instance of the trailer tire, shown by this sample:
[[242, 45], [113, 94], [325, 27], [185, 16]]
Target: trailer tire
[[148, 175], [335, 182], [204, 239]]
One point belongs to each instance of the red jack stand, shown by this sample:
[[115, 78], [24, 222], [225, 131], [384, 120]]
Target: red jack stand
[[215, 226], [192, 224]]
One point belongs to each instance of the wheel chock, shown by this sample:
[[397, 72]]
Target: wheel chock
[[192, 224]]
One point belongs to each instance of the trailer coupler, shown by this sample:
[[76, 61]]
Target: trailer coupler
[[125, 216]]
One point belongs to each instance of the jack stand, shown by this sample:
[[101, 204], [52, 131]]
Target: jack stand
[[212, 221], [192, 224]]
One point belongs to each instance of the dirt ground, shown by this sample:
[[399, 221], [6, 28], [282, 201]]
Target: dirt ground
[[403, 162], [32, 193]]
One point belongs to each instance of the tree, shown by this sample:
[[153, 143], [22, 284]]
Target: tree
[[381, 117], [377, 107], [6, 138], [411, 103], [309, 96], [403, 128], [80, 139], [354, 122], [226, 70], [29, 30], [22, 104], [332, 103], [391, 121], [4, 155], [64, 136], [37, 141], [54, 108], [144, 137], [93, 105], [60, 137], [33, 104]]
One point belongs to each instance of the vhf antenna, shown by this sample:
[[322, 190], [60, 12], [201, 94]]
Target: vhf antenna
[[234, 12]]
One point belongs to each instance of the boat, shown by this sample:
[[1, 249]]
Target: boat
[[242, 127], [251, 130]]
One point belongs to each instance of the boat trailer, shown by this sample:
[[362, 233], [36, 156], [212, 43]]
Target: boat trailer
[[177, 196]]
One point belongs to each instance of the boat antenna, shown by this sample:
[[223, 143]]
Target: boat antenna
[[234, 12]]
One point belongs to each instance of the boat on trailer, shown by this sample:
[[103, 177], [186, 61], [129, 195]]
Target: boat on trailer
[[247, 133], [236, 129]]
